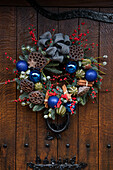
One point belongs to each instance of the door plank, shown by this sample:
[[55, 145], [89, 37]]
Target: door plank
[[88, 114], [106, 99], [7, 92], [70, 136], [44, 25], [26, 118]]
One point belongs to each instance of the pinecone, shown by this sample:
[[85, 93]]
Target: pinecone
[[36, 60], [36, 97], [83, 90], [27, 85], [76, 52]]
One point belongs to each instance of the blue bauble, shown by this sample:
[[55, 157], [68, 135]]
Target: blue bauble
[[21, 65], [71, 67], [52, 101], [35, 76], [67, 105], [91, 75]]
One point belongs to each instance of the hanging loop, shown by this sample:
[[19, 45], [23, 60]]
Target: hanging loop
[[58, 128]]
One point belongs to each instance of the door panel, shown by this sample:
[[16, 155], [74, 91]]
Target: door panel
[[24, 132]]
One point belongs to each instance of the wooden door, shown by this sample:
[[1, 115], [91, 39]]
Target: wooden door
[[23, 132]]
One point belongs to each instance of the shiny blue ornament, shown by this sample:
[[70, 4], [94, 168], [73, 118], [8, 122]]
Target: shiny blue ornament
[[71, 67], [52, 101], [35, 76], [21, 65], [91, 75], [67, 105]]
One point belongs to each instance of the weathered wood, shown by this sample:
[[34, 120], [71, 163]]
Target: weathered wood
[[7, 92], [44, 25], [106, 98], [66, 3], [69, 136], [29, 127], [88, 114], [26, 118]]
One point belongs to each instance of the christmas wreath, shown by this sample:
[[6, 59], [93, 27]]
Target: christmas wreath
[[56, 73]]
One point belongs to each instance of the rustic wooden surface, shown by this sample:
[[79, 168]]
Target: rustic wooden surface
[[106, 99], [19, 126], [88, 115], [26, 119], [72, 131], [44, 25]]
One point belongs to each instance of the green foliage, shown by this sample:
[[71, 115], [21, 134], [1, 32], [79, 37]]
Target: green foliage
[[18, 87], [93, 60], [53, 114], [100, 77], [26, 57], [21, 57], [53, 70], [43, 52], [14, 70], [24, 95], [37, 108], [98, 84], [69, 85], [59, 89], [18, 81], [31, 105], [52, 65], [94, 67], [46, 112], [75, 82]]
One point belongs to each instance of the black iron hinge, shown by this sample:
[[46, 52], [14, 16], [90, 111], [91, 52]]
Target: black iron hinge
[[65, 164], [80, 13]]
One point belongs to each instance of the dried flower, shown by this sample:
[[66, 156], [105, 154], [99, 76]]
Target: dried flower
[[104, 63], [105, 56]]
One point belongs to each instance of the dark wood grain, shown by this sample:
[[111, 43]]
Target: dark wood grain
[[70, 136], [26, 118], [44, 25], [88, 114], [7, 92], [106, 99], [92, 125], [66, 3]]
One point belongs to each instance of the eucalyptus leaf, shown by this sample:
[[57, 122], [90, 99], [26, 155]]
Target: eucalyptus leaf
[[37, 108], [46, 112], [53, 114], [31, 105], [75, 82], [18, 81], [14, 70], [21, 57], [53, 70], [100, 77], [68, 86], [24, 95], [94, 67], [60, 90], [26, 57], [52, 64], [55, 90], [18, 87], [43, 52]]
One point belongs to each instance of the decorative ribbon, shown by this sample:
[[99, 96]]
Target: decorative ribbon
[[58, 48]]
